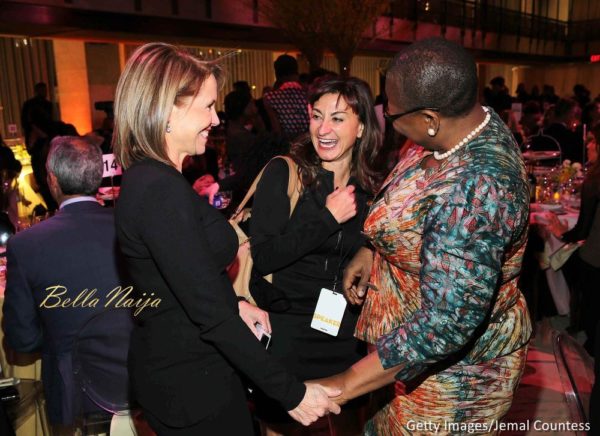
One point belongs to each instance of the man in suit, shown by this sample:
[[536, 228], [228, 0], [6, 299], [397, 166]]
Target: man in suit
[[72, 255], [560, 129]]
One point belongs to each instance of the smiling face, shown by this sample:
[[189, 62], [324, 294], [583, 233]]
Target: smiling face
[[334, 128], [191, 121]]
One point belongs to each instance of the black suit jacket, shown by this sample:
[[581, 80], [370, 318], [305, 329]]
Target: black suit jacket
[[183, 352], [76, 249]]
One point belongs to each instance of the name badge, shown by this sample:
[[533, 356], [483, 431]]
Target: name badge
[[329, 312]]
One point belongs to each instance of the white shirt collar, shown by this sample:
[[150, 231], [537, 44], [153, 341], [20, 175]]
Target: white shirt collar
[[77, 200]]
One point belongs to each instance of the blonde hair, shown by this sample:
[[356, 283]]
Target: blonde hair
[[156, 77]]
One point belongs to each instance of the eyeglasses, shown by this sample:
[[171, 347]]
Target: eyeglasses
[[393, 117]]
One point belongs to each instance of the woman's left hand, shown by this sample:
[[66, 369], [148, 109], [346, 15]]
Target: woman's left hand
[[206, 186], [556, 227], [251, 315]]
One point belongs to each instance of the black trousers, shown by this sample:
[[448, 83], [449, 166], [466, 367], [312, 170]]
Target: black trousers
[[233, 419], [583, 280]]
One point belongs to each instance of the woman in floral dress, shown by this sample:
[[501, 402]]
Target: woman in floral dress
[[447, 233]]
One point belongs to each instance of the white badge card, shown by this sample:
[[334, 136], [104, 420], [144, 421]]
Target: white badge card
[[329, 312]]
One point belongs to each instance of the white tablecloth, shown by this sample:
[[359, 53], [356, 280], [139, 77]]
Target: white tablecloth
[[556, 279]]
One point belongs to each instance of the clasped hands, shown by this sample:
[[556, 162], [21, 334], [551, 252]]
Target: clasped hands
[[318, 401], [327, 394]]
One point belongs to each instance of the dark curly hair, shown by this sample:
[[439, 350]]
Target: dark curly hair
[[364, 166]]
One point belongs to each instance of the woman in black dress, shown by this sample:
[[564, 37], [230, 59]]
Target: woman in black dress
[[309, 250], [185, 350]]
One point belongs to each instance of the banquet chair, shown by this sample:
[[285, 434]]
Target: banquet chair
[[19, 403], [100, 373]]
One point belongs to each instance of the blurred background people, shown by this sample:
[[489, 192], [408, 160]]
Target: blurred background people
[[496, 96], [531, 118], [10, 168], [287, 103], [585, 262], [36, 114], [562, 126]]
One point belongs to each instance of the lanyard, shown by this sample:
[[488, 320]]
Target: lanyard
[[339, 244], [343, 256]]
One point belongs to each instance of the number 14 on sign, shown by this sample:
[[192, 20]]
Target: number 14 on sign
[[110, 166]]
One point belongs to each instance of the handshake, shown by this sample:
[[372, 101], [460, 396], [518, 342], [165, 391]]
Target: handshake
[[317, 402]]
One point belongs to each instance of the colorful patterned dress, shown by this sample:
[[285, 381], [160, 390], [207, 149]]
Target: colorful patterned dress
[[449, 243]]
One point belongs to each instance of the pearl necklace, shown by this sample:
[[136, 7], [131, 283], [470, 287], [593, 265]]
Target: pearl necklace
[[466, 139]]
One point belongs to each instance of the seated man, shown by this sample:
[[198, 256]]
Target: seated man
[[72, 255], [561, 128]]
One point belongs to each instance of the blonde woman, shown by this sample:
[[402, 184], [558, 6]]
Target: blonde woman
[[185, 353]]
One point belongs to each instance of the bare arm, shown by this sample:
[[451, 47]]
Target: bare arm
[[364, 376]]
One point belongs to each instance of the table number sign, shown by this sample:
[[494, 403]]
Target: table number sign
[[110, 166]]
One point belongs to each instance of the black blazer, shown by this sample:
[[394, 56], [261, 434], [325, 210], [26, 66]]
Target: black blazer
[[76, 249], [184, 351]]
